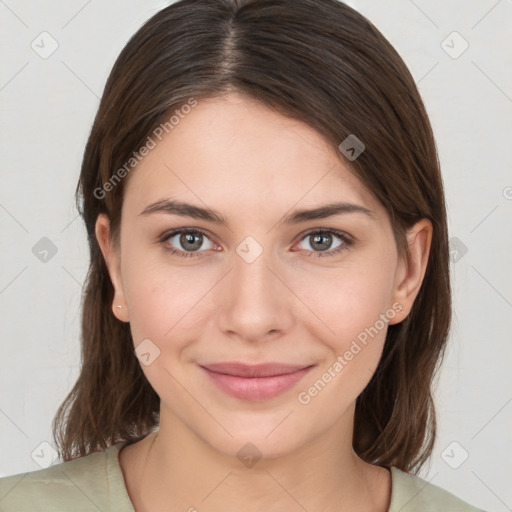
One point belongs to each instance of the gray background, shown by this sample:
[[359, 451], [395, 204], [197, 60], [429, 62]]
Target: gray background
[[47, 107]]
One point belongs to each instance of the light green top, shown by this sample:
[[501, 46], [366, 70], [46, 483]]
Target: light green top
[[95, 483]]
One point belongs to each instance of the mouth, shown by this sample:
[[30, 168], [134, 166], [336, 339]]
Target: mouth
[[254, 382]]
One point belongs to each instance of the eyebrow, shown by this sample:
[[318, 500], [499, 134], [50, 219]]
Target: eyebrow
[[174, 207]]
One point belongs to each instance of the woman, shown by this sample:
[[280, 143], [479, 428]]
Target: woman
[[268, 296]]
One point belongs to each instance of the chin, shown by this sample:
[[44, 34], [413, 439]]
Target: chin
[[256, 437], [254, 449]]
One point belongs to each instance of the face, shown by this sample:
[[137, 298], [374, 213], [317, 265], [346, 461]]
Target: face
[[254, 282]]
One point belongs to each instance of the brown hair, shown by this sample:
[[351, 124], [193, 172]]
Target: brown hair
[[317, 61]]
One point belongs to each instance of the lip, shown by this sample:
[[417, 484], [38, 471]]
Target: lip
[[255, 382]]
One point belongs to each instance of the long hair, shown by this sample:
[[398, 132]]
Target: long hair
[[316, 61]]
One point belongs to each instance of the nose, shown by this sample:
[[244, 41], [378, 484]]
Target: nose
[[256, 302]]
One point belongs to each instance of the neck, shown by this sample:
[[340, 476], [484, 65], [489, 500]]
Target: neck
[[173, 469]]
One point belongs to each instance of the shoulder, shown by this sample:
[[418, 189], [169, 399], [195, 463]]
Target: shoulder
[[410, 493], [93, 482]]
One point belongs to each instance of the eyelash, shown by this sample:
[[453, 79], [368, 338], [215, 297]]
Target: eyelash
[[347, 242]]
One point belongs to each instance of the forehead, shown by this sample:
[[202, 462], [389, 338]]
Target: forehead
[[235, 154]]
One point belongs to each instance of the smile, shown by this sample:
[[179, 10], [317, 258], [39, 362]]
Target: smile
[[254, 382]]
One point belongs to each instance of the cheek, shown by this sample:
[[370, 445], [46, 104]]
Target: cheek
[[169, 307], [165, 303], [351, 300], [354, 306], [170, 303]]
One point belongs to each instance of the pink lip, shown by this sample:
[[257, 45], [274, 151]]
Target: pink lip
[[254, 382]]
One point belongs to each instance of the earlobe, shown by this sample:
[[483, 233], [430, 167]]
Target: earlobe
[[112, 261], [410, 273]]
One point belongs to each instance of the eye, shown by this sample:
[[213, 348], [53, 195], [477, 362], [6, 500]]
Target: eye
[[321, 242], [187, 241]]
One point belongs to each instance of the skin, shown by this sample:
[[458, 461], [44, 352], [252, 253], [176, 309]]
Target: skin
[[290, 305]]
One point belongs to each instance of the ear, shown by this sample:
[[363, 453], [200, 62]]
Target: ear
[[113, 262], [410, 274]]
